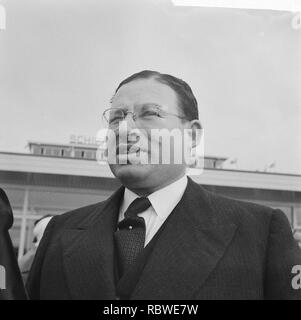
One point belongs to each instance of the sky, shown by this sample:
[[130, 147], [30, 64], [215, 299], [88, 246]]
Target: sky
[[61, 60]]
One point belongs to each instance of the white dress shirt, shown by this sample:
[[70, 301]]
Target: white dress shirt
[[163, 201]]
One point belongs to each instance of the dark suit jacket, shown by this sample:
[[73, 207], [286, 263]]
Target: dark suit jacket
[[211, 248]]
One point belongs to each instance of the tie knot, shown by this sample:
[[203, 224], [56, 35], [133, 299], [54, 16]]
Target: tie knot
[[137, 206]]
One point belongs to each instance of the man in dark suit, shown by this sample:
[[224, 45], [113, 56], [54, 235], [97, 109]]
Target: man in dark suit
[[161, 235]]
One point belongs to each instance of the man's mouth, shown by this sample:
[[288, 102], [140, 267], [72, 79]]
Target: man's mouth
[[129, 154], [128, 149]]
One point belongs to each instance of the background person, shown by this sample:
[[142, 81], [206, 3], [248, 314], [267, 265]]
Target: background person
[[25, 262]]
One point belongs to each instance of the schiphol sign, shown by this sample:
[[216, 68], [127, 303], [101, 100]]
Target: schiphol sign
[[2, 18]]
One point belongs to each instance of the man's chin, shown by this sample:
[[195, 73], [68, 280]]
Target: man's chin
[[131, 173]]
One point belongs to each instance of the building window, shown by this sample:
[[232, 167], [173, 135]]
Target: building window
[[77, 154], [42, 151], [48, 151], [89, 154], [54, 152], [84, 154], [65, 152]]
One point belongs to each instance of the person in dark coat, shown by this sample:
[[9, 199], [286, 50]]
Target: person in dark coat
[[161, 235]]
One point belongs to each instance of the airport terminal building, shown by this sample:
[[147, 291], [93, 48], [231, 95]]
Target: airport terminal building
[[55, 178]]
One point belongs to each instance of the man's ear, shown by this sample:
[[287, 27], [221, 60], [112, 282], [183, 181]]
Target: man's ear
[[197, 132]]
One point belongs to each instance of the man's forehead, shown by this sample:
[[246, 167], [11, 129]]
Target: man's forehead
[[145, 90]]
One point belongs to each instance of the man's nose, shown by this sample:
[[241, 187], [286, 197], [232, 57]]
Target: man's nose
[[124, 128], [128, 122], [132, 116]]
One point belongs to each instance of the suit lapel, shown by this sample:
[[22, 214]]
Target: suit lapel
[[88, 253], [187, 251]]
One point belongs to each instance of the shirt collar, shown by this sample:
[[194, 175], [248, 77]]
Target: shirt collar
[[158, 198]]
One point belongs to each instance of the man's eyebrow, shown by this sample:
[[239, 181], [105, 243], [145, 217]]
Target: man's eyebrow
[[145, 104], [141, 105], [121, 106]]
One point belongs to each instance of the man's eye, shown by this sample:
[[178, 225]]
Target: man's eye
[[150, 113], [115, 117]]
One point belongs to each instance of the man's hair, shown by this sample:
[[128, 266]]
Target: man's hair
[[186, 98]]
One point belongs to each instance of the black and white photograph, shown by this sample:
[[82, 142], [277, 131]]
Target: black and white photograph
[[150, 150]]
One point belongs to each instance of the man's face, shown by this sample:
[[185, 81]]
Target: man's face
[[134, 97]]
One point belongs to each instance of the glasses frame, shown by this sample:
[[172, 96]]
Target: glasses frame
[[134, 114]]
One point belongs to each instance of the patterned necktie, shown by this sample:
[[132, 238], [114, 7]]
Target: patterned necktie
[[130, 236]]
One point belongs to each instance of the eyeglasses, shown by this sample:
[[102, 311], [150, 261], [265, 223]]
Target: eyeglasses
[[146, 113]]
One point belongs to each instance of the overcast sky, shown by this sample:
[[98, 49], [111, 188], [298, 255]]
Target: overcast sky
[[60, 61]]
